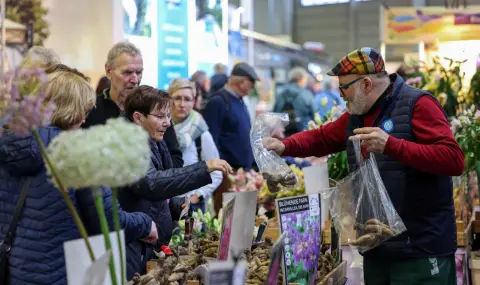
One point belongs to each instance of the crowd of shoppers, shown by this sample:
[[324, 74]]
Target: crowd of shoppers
[[199, 133]]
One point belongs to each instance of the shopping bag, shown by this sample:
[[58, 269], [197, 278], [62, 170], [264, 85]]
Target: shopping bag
[[273, 168], [360, 207]]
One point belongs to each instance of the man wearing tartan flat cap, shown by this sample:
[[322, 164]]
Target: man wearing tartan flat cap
[[407, 132]]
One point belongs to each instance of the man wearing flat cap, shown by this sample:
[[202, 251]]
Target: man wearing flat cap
[[228, 118], [229, 123], [407, 132]]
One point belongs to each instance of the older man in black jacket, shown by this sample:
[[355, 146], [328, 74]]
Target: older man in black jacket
[[124, 68]]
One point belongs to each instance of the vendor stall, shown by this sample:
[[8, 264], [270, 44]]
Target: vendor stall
[[272, 59], [448, 41], [445, 63]]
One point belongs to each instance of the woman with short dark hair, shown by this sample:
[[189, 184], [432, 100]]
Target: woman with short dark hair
[[150, 109]]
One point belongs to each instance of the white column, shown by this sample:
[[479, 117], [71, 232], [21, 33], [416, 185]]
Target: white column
[[352, 29], [249, 14]]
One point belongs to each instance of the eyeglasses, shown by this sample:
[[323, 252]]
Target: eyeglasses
[[179, 99], [345, 86], [162, 117]]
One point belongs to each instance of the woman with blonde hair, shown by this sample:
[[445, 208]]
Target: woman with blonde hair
[[195, 140], [36, 256]]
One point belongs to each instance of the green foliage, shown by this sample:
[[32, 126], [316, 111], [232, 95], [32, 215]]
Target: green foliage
[[467, 133], [26, 11], [443, 82], [210, 224], [474, 91], [337, 166], [337, 163]]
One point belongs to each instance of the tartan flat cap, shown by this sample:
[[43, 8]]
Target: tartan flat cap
[[361, 61]]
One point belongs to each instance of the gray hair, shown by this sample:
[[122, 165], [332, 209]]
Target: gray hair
[[40, 57], [379, 78], [120, 48], [199, 77], [296, 74], [220, 68]]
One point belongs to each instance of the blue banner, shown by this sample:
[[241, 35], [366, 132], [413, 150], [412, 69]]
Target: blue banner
[[235, 44], [172, 41]]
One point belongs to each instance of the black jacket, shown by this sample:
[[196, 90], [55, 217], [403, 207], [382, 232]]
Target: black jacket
[[150, 194], [107, 109]]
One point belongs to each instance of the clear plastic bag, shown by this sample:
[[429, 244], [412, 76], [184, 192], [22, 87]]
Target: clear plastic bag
[[273, 168], [361, 209]]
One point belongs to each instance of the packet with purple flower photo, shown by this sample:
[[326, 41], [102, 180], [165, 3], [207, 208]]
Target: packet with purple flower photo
[[300, 222]]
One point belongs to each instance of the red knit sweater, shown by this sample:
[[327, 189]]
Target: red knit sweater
[[435, 150]]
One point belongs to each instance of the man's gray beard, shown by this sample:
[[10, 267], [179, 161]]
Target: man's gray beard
[[357, 106]]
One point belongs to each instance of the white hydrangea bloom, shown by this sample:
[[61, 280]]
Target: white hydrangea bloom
[[115, 154]]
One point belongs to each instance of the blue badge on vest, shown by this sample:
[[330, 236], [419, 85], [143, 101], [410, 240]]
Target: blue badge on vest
[[387, 125]]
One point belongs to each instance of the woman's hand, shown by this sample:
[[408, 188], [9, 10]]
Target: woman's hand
[[194, 199], [153, 236], [219, 165]]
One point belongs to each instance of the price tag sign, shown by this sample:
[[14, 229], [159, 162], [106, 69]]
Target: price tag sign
[[300, 222], [226, 273], [96, 272], [220, 273]]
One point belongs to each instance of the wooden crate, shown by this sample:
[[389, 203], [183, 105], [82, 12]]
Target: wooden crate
[[476, 226], [461, 240], [327, 237], [273, 233], [463, 237], [193, 282], [337, 276]]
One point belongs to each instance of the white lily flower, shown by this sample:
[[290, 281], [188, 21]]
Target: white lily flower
[[115, 154]]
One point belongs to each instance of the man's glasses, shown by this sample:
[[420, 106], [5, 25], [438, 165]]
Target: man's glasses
[[345, 86]]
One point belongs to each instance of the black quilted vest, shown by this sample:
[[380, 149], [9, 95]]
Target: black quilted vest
[[424, 201]]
